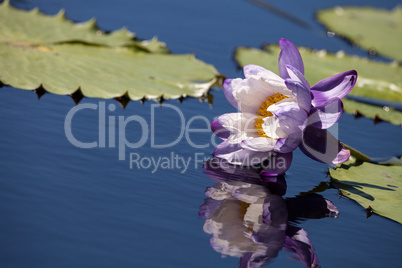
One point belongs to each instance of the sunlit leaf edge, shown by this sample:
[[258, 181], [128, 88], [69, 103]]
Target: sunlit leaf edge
[[344, 32], [376, 113]]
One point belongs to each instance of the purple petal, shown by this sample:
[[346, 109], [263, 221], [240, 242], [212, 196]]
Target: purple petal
[[278, 164], [302, 94], [342, 156], [296, 75], [326, 115], [235, 154], [289, 55], [336, 86], [292, 119], [219, 130], [228, 91], [289, 144], [322, 146]]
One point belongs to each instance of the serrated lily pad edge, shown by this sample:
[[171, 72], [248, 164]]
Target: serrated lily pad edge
[[77, 96]]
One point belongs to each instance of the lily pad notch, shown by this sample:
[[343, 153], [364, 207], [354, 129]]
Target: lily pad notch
[[52, 54]]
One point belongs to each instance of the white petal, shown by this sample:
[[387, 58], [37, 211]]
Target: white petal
[[272, 128], [280, 104], [259, 144], [250, 93], [280, 87], [260, 72], [241, 126]]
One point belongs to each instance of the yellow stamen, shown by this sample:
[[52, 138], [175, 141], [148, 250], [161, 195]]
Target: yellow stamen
[[262, 112]]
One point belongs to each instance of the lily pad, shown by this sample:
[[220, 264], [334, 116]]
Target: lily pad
[[375, 79], [375, 187], [50, 52], [373, 29], [34, 28], [374, 112]]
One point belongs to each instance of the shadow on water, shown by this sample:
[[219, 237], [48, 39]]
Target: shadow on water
[[354, 187], [248, 218]]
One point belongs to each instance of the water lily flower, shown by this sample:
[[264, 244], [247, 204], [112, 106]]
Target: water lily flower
[[281, 113]]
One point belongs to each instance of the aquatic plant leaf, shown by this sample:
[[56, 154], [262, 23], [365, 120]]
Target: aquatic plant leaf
[[375, 79], [375, 187], [376, 30], [374, 112], [35, 28], [51, 53]]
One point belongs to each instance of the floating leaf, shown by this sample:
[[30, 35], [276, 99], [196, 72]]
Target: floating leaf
[[34, 28], [371, 111], [50, 52], [375, 79], [375, 187], [376, 30]]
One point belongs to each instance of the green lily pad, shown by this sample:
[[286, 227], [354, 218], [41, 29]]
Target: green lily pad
[[375, 187], [35, 28], [50, 52], [375, 79], [371, 111], [370, 28]]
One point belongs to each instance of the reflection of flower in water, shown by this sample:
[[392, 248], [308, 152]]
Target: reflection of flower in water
[[249, 221]]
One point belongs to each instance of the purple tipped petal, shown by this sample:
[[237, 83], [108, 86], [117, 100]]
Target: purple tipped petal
[[336, 86], [253, 70], [219, 130], [289, 55], [278, 164], [235, 154], [342, 156], [302, 94], [289, 144], [320, 145], [228, 91], [296, 75], [326, 115], [292, 119], [233, 126]]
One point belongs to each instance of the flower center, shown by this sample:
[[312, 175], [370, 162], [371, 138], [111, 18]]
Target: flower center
[[262, 112]]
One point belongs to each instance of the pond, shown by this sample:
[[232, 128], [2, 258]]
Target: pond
[[64, 206]]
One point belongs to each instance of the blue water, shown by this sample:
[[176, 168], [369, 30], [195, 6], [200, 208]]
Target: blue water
[[63, 206]]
